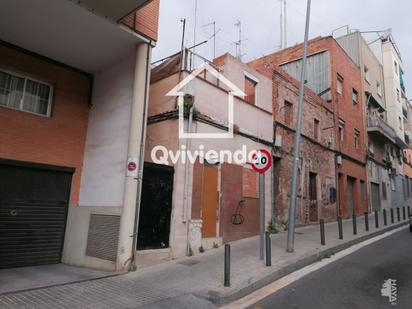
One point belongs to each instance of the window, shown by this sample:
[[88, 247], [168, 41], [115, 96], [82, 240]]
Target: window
[[398, 97], [339, 87], [250, 88], [395, 64], [288, 111], [367, 75], [355, 96], [384, 196], [400, 122], [316, 129], [341, 130], [379, 88], [393, 186], [25, 94], [356, 138]]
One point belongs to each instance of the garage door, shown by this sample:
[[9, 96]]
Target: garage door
[[33, 210]]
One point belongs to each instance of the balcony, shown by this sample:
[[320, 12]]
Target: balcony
[[87, 36], [380, 128]]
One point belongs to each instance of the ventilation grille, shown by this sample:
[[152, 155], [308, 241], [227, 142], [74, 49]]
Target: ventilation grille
[[102, 240]]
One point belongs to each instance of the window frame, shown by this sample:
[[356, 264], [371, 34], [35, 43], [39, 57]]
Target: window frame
[[356, 135], [355, 92], [379, 89], [26, 78], [367, 74], [255, 80], [341, 128], [339, 81]]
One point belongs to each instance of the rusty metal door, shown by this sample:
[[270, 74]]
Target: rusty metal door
[[209, 201]]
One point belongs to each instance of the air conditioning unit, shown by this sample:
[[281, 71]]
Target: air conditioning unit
[[278, 140], [339, 160]]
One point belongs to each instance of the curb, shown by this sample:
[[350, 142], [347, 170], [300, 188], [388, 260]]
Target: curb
[[219, 298]]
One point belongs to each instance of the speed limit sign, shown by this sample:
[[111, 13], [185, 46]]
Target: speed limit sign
[[261, 160]]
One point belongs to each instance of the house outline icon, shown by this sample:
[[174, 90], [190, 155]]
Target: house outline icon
[[234, 91]]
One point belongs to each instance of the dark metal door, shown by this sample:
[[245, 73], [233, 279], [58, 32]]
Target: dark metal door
[[33, 211], [349, 193], [313, 198], [376, 201], [155, 207]]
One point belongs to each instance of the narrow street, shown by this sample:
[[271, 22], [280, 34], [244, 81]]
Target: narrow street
[[354, 281]]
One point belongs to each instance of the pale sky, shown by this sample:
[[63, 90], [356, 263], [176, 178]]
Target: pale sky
[[260, 21]]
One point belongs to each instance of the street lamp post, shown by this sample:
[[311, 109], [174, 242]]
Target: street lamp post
[[292, 209]]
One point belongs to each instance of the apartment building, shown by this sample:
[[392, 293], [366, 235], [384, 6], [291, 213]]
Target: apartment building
[[73, 95], [388, 54], [383, 140], [333, 75], [190, 207]]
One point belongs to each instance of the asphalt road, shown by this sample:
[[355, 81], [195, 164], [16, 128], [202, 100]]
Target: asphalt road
[[354, 281]]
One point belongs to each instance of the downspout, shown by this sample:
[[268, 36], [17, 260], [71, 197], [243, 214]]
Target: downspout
[[185, 177], [141, 154]]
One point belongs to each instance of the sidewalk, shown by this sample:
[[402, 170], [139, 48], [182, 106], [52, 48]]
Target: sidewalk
[[194, 280]]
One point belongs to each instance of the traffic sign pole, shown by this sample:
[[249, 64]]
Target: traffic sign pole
[[262, 213]]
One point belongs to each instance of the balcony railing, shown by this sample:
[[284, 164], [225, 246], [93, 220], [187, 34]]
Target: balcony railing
[[382, 125]]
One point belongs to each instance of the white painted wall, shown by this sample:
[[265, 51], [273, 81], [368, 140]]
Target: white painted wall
[[104, 168]]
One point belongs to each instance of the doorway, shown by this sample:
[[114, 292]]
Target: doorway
[[155, 207], [209, 201], [313, 197], [349, 194]]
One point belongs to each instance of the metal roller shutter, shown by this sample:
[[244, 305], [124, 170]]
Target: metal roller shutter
[[33, 211]]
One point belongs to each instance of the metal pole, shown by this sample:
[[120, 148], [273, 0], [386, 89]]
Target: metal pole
[[292, 210], [340, 227], [268, 250], [376, 219], [227, 266], [322, 232], [403, 213], [366, 222], [398, 212], [392, 215], [385, 220], [262, 213], [355, 230]]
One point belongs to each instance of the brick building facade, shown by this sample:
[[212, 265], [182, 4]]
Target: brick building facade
[[335, 77]]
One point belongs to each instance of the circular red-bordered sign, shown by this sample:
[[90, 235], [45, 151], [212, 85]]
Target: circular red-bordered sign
[[131, 166], [261, 160]]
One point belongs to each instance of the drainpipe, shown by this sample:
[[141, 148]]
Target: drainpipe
[[186, 176], [137, 135]]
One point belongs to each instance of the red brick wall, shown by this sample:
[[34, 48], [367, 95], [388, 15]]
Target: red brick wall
[[342, 106], [317, 155], [58, 140], [147, 19]]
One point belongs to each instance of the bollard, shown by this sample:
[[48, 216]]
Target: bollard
[[398, 212], [376, 219], [340, 228], [227, 266], [268, 250], [322, 232], [355, 230], [409, 211], [392, 215], [385, 221], [403, 213], [366, 222]]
